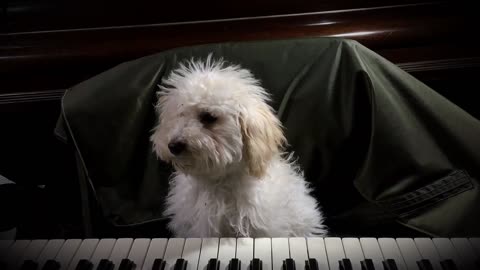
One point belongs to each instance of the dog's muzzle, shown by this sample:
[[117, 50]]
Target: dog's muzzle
[[177, 147]]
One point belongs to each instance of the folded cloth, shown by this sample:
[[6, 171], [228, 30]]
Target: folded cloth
[[379, 147]]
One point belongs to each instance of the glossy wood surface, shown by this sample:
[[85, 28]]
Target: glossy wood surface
[[34, 15], [59, 59]]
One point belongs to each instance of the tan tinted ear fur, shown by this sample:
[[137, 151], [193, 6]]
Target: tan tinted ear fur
[[262, 137]]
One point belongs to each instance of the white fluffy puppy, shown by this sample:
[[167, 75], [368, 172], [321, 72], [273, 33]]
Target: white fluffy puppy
[[225, 143]]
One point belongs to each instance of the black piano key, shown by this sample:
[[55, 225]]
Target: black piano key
[[424, 265], [180, 264], [158, 264], [101, 264], [110, 266], [84, 265], [213, 264], [367, 264], [256, 264], [448, 265], [234, 264], [311, 264], [126, 264], [105, 264], [79, 265], [289, 264], [29, 265], [389, 264], [345, 264], [51, 265]]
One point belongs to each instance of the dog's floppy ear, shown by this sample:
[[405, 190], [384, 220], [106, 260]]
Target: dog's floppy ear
[[262, 137]]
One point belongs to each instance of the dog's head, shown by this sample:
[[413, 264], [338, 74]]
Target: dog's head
[[214, 118]]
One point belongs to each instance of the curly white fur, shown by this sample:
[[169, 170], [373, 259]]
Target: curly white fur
[[231, 179]]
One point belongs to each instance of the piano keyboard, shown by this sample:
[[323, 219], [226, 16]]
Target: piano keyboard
[[241, 254]]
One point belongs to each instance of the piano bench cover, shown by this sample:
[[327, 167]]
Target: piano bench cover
[[381, 149]]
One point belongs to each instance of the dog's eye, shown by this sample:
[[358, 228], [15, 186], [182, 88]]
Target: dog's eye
[[207, 118]]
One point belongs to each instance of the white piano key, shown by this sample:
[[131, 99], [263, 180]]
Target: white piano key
[[390, 251], [226, 251], [280, 252], [156, 250], [120, 251], [33, 250], [298, 251], [353, 251], [84, 252], [465, 252], [138, 252], [263, 251], [410, 253], [209, 251], [476, 245], [371, 250], [66, 253], [50, 251], [428, 251], [102, 251], [316, 250], [446, 250], [335, 252], [173, 252], [244, 251], [191, 252], [15, 252]]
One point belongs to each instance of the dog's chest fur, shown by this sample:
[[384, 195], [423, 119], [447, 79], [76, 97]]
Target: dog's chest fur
[[211, 210], [277, 205]]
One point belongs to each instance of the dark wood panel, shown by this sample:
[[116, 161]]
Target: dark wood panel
[[34, 15], [59, 59], [27, 140], [31, 156]]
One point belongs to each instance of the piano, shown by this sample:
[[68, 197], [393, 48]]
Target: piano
[[241, 254]]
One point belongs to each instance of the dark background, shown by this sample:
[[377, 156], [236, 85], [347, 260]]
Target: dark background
[[47, 46]]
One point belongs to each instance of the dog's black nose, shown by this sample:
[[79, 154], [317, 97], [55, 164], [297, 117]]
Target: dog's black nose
[[177, 147]]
